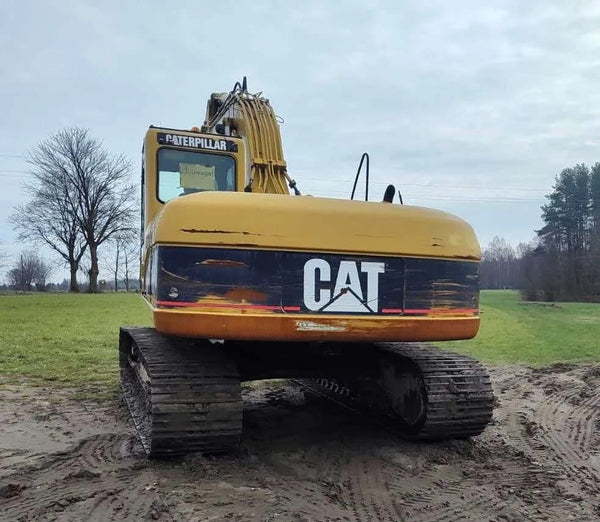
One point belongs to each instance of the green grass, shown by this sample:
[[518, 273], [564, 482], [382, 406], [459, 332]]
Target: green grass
[[66, 338], [533, 333], [73, 339]]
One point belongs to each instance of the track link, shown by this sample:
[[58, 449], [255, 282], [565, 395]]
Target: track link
[[424, 393], [184, 395]]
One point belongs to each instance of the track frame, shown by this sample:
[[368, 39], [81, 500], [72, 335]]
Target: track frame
[[184, 395]]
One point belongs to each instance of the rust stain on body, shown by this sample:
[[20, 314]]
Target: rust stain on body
[[246, 295], [222, 262], [197, 231]]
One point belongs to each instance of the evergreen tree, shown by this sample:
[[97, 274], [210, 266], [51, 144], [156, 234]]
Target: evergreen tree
[[570, 234]]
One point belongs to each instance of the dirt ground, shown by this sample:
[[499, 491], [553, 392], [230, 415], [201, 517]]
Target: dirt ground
[[304, 458]]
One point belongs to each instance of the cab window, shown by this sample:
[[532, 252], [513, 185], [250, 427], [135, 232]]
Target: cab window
[[182, 172]]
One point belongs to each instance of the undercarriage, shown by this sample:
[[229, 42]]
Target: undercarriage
[[184, 395]]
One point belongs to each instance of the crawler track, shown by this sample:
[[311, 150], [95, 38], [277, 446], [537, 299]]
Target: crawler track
[[183, 395], [424, 393]]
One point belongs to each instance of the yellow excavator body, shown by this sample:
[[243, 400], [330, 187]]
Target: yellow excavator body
[[277, 234], [247, 281], [275, 224]]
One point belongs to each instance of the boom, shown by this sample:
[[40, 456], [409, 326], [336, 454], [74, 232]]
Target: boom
[[240, 113]]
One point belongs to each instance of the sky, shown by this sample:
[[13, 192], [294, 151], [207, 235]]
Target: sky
[[466, 106]]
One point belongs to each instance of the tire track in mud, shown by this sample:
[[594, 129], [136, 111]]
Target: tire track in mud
[[517, 481], [428, 497], [575, 415], [307, 461], [344, 475], [301, 466], [560, 425], [559, 429], [100, 452], [38, 499], [126, 503], [585, 432], [505, 489], [96, 479], [84, 499], [448, 509], [366, 490], [352, 477], [373, 492]]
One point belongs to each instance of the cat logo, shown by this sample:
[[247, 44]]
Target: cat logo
[[347, 294]]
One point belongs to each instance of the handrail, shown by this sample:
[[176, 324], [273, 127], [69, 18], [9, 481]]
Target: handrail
[[362, 159]]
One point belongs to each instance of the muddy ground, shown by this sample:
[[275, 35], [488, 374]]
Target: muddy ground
[[304, 458]]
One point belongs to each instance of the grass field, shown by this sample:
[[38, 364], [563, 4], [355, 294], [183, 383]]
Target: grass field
[[72, 339], [533, 333], [69, 338]]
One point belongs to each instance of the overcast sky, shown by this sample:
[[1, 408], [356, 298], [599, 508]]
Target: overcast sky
[[470, 107]]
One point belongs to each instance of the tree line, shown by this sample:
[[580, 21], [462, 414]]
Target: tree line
[[563, 262], [81, 199]]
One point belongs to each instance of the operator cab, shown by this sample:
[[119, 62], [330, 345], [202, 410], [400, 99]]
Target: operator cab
[[181, 162]]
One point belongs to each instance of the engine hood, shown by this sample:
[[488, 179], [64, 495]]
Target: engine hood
[[305, 223]]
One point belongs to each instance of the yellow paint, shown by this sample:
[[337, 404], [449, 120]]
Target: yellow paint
[[269, 218], [269, 221], [264, 326]]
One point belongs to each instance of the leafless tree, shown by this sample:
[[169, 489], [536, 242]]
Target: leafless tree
[[499, 265], [131, 253], [111, 262], [3, 259], [42, 273], [124, 254], [48, 219], [92, 187], [29, 269]]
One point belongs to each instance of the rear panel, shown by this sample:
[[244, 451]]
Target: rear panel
[[307, 283]]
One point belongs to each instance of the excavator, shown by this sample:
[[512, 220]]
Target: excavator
[[248, 281]]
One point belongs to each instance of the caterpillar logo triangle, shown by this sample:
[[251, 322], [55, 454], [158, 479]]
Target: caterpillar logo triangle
[[347, 303]]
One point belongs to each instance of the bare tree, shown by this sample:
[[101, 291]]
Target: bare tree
[[124, 253], [499, 267], [3, 259], [29, 269], [131, 253], [48, 219], [111, 264], [42, 273], [91, 183]]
